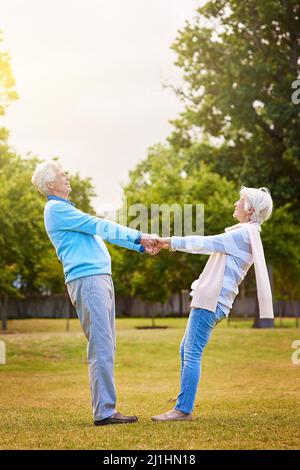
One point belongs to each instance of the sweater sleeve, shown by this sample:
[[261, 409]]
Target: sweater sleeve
[[64, 216], [232, 243]]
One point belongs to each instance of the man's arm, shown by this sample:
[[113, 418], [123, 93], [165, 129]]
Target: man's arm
[[64, 216]]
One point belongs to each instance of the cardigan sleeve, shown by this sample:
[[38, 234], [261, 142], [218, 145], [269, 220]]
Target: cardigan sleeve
[[233, 243]]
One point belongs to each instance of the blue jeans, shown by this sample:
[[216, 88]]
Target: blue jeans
[[199, 328]]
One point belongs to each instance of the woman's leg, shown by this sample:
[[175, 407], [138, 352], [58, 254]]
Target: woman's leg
[[182, 355], [200, 325]]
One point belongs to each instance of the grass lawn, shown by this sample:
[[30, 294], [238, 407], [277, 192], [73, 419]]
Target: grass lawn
[[249, 396]]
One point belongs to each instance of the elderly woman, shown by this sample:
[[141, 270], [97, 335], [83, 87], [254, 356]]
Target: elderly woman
[[232, 254]]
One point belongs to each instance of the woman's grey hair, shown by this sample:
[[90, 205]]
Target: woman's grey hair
[[45, 173], [260, 200]]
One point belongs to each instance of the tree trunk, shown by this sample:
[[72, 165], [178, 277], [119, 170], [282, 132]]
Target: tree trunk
[[152, 316], [281, 314], [180, 303], [296, 313], [3, 308], [128, 307], [243, 296], [264, 322]]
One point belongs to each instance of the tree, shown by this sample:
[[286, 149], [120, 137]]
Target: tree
[[281, 241], [7, 95], [7, 88], [239, 59]]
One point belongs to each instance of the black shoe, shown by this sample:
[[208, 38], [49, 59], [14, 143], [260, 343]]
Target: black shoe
[[117, 418]]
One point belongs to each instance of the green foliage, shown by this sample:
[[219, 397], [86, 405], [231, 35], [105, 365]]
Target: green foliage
[[281, 243], [167, 177], [7, 81], [239, 59], [82, 193]]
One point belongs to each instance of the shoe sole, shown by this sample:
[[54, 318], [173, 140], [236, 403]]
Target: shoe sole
[[174, 419], [113, 422]]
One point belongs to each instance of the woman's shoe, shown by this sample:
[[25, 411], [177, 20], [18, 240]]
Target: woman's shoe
[[173, 415]]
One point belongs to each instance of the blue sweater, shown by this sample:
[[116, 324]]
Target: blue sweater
[[78, 239]]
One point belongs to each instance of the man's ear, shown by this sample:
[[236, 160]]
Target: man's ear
[[49, 185]]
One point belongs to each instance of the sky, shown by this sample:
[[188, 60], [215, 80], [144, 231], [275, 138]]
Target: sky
[[90, 77]]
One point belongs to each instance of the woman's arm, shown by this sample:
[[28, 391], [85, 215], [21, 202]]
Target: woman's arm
[[232, 243]]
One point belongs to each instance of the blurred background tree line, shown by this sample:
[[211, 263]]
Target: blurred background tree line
[[239, 125]]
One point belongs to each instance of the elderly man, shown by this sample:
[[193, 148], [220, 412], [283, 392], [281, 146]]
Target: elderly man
[[78, 240]]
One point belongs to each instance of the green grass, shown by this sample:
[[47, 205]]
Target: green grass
[[249, 396]]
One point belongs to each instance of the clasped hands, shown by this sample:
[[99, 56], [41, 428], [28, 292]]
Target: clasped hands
[[153, 243]]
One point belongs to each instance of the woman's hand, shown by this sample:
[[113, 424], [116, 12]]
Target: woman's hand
[[164, 243]]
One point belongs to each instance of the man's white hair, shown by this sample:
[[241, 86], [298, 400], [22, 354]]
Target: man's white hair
[[45, 173], [260, 200]]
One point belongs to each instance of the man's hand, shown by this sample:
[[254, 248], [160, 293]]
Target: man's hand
[[153, 243], [150, 243]]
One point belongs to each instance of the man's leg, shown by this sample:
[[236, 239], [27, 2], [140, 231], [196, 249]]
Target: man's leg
[[93, 300], [113, 315], [116, 417], [101, 346]]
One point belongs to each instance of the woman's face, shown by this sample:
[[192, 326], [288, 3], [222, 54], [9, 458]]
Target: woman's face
[[240, 212]]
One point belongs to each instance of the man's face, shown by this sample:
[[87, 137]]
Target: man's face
[[61, 184]]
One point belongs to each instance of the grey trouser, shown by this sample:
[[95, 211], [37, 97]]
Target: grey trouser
[[94, 300]]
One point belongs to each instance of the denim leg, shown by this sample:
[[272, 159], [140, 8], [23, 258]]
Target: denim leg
[[181, 351], [200, 325]]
